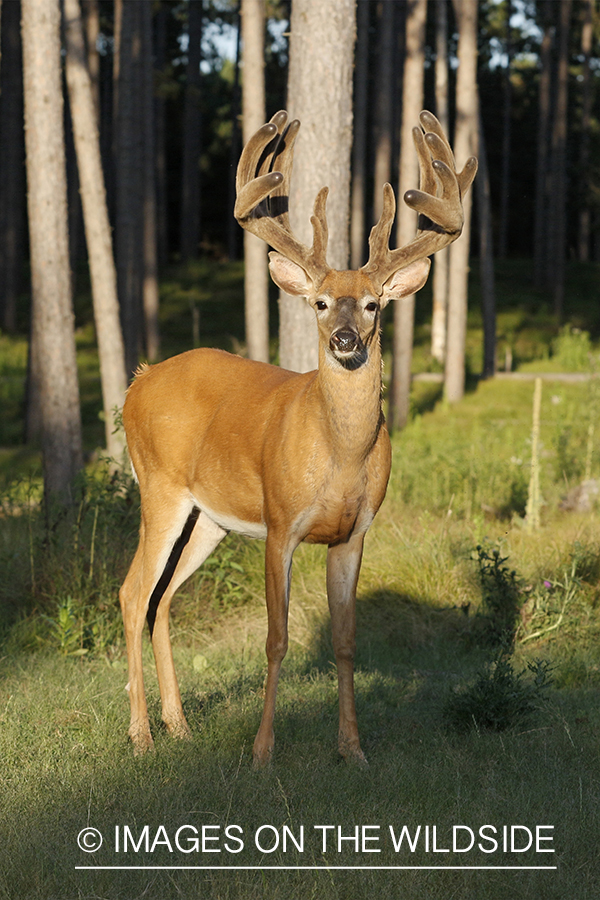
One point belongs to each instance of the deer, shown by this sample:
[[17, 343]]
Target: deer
[[221, 443]]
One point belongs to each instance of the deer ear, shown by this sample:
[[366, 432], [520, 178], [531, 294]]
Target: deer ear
[[406, 281], [289, 276]]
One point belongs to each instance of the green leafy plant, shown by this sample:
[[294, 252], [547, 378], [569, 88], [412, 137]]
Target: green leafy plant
[[499, 698], [500, 594]]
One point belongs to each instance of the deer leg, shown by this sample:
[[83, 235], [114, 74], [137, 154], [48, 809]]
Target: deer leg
[[343, 567], [161, 526], [278, 567], [204, 536]]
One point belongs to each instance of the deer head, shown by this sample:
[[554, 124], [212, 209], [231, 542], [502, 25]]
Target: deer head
[[347, 303]]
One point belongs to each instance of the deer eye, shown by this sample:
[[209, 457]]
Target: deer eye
[[320, 304], [371, 307]]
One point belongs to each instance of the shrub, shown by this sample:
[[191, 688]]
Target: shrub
[[498, 698]]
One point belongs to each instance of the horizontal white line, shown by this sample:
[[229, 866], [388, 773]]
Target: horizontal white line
[[313, 868]]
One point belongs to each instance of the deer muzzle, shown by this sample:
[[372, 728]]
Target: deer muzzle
[[345, 341]]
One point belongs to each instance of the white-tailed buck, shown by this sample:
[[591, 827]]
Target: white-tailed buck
[[219, 443]]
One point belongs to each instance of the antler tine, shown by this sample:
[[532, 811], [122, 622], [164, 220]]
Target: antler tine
[[262, 205], [438, 202]]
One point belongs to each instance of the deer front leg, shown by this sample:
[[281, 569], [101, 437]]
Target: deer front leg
[[278, 563], [343, 567]]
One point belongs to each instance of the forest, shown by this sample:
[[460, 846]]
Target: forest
[[477, 679]]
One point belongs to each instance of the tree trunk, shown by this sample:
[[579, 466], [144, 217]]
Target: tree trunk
[[256, 275], [383, 129], [12, 156], [150, 275], [162, 233], [541, 175], [441, 259], [320, 95], [584, 149], [359, 151], [465, 145], [486, 259], [557, 207], [91, 14], [404, 309], [129, 182], [52, 313], [506, 139], [235, 147], [192, 139], [97, 228]]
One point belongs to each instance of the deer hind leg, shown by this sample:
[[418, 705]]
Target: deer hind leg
[[278, 565], [343, 567], [161, 526], [199, 538]]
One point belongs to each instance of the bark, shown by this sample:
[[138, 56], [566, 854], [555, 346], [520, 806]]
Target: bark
[[52, 313], [192, 139], [91, 12], [383, 103], [584, 148], [129, 181], [97, 228], [506, 139], [404, 309], [12, 157], [256, 276], [162, 238], [441, 259], [359, 151], [486, 259], [150, 297], [465, 145], [233, 231], [320, 95], [543, 131], [557, 206]]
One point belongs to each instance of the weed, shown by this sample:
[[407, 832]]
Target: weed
[[499, 698], [500, 595], [572, 349]]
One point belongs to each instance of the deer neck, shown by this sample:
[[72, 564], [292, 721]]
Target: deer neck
[[351, 400]]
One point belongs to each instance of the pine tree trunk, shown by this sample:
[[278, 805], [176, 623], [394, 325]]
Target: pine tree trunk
[[441, 259], [404, 309], [540, 232], [465, 145], [162, 234], [256, 275], [97, 228], [486, 259], [320, 95], [192, 139], [506, 139], [12, 154], [557, 208], [383, 103], [359, 151], [129, 182], [52, 313], [584, 149], [150, 298]]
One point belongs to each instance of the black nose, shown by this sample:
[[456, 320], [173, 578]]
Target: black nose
[[344, 341]]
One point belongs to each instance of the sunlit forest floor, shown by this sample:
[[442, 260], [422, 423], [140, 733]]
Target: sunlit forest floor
[[478, 664]]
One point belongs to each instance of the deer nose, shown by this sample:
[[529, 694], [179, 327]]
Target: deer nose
[[344, 341]]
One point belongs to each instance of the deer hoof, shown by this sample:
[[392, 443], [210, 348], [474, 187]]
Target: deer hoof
[[142, 741]]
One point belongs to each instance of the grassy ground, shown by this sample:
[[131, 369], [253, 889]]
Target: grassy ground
[[459, 483]]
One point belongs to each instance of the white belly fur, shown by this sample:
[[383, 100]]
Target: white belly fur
[[232, 523]]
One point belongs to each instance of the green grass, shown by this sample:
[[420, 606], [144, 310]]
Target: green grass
[[459, 482]]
